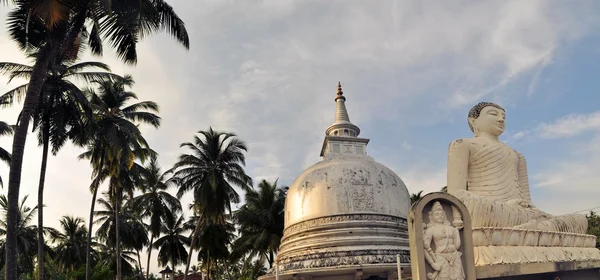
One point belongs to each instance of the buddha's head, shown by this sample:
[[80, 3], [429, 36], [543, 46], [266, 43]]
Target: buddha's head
[[487, 117]]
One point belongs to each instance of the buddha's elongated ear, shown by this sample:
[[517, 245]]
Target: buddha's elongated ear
[[472, 125]]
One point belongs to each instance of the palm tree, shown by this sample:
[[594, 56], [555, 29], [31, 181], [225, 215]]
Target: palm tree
[[26, 245], [59, 115], [70, 248], [158, 205], [124, 226], [415, 197], [171, 246], [211, 171], [213, 239], [260, 221], [444, 189], [117, 141], [51, 30], [107, 256], [250, 268]]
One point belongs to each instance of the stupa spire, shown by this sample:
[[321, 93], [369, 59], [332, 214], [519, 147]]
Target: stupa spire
[[341, 114], [342, 131], [342, 125]]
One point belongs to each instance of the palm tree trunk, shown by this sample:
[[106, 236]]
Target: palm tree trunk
[[271, 259], [173, 270], [227, 269], [149, 255], [38, 74], [117, 227], [88, 250], [140, 264], [208, 265], [194, 237], [40, 255], [34, 88]]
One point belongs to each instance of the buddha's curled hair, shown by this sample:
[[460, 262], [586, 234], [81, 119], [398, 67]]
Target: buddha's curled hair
[[476, 110]]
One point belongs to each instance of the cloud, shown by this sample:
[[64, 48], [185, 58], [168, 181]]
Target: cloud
[[570, 125], [520, 134], [425, 179]]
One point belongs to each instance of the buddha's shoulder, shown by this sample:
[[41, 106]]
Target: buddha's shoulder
[[462, 142]]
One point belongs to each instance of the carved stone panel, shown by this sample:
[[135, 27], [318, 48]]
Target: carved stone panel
[[441, 239]]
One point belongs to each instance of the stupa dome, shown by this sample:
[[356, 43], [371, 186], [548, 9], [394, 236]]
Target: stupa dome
[[345, 183], [346, 212]]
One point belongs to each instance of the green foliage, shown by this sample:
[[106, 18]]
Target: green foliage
[[260, 221], [415, 197], [594, 226]]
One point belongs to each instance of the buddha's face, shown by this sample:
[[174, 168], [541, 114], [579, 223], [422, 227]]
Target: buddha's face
[[438, 216], [491, 120]]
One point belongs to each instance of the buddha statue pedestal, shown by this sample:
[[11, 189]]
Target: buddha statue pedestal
[[510, 235]]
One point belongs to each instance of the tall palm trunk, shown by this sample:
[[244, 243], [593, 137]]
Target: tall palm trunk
[[140, 264], [40, 256], [227, 269], [208, 264], [88, 249], [38, 74], [271, 258], [149, 255], [117, 227], [194, 237], [173, 270]]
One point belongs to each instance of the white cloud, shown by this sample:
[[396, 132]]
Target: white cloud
[[520, 134], [570, 125], [424, 179]]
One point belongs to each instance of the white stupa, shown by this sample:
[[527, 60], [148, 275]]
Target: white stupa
[[345, 216]]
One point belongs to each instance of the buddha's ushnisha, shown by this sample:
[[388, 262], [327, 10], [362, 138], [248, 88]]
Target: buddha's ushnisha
[[491, 178]]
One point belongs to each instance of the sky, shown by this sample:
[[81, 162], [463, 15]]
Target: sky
[[410, 70]]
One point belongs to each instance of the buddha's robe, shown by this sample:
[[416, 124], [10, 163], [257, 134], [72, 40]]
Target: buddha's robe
[[496, 185]]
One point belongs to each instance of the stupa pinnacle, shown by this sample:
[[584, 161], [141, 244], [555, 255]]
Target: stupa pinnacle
[[342, 130], [342, 125]]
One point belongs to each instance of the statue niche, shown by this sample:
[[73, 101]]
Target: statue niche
[[490, 178], [444, 256]]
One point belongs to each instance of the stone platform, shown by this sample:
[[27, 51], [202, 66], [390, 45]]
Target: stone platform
[[574, 270]]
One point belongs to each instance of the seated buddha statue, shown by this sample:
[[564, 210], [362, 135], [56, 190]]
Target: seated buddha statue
[[490, 178]]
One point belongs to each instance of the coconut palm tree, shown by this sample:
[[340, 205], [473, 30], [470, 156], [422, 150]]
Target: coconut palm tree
[[116, 140], [171, 245], [213, 239], [52, 29], [415, 197], [210, 172], [260, 221], [26, 245], [60, 114], [125, 226], [71, 241], [156, 203]]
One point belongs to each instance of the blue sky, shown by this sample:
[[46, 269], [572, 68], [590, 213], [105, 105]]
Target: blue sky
[[268, 71]]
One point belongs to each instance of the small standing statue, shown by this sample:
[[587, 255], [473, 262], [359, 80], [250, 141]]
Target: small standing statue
[[446, 259]]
